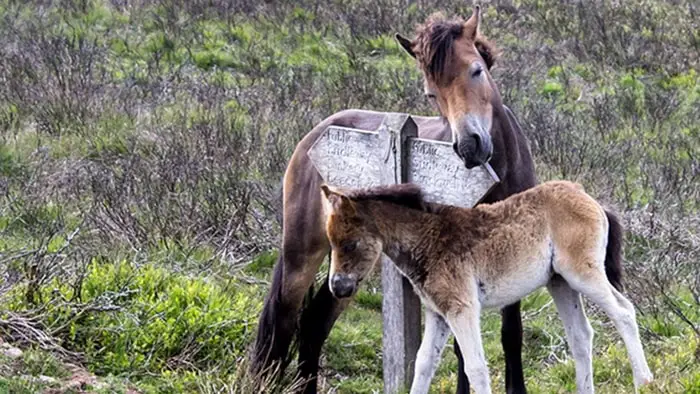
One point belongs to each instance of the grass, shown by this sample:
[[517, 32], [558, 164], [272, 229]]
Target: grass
[[352, 355], [160, 133], [353, 358]]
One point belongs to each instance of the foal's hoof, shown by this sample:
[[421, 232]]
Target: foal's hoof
[[645, 380]]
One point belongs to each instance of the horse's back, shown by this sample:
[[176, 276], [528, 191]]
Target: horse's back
[[428, 127]]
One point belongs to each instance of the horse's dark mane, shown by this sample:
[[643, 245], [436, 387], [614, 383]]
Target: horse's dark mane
[[434, 44], [405, 194]]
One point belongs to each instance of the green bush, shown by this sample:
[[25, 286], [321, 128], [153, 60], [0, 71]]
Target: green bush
[[158, 319]]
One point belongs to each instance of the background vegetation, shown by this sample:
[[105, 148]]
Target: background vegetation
[[143, 142]]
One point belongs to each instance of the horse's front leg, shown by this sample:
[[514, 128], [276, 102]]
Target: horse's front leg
[[434, 338], [512, 342], [467, 331], [316, 323]]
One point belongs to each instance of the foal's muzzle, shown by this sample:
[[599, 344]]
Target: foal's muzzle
[[343, 285]]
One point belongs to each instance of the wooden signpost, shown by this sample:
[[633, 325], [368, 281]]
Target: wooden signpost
[[393, 154]]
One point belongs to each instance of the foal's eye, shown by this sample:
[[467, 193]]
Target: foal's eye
[[430, 96], [349, 247], [477, 72]]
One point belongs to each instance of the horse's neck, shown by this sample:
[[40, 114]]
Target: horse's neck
[[512, 160]]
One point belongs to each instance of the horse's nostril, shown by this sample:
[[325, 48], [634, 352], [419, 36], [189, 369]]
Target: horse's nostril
[[477, 142]]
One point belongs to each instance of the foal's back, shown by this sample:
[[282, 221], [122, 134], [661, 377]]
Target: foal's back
[[508, 249], [516, 245]]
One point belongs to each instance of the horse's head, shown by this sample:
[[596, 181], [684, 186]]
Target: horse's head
[[355, 243], [455, 60]]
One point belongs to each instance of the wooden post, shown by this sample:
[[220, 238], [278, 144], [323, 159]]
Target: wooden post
[[393, 154], [401, 308]]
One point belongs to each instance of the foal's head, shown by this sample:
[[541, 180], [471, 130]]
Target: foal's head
[[353, 228], [455, 60]]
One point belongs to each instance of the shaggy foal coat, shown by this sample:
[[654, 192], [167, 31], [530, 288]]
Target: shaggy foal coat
[[462, 260]]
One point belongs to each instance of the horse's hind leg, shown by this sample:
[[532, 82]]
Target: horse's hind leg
[[596, 287], [579, 333], [621, 312], [316, 323]]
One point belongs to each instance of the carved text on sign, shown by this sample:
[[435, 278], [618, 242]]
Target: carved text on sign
[[442, 175], [352, 158], [353, 154]]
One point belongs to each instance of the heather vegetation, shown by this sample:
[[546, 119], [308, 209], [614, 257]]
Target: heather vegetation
[[143, 144]]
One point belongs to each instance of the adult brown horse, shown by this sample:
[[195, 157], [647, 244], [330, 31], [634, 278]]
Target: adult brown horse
[[455, 60]]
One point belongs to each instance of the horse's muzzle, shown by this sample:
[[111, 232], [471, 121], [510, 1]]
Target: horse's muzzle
[[472, 140], [343, 286], [473, 150]]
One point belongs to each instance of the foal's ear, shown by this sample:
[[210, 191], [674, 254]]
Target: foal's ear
[[471, 26], [406, 44], [336, 202]]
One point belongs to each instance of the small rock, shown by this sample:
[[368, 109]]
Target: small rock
[[12, 352]]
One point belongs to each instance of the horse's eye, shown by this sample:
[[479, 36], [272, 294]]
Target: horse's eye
[[430, 96], [349, 247], [477, 72]]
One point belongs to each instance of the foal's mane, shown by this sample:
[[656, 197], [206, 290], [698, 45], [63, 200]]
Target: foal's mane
[[405, 194], [434, 44]]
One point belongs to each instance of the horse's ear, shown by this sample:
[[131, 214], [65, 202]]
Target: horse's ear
[[336, 202], [471, 26], [487, 51], [406, 44]]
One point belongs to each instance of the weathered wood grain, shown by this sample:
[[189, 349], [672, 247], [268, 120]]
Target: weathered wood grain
[[400, 304], [443, 177]]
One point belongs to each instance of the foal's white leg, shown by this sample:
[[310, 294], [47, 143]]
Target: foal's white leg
[[466, 328], [434, 338], [621, 312], [579, 333]]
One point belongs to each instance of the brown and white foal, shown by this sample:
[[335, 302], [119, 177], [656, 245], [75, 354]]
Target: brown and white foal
[[462, 260]]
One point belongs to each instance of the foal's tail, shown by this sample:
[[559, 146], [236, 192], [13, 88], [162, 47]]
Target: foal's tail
[[613, 252]]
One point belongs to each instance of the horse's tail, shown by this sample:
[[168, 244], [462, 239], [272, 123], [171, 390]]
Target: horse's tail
[[613, 252], [271, 345]]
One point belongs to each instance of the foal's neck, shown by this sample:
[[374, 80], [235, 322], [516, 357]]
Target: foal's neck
[[408, 234]]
